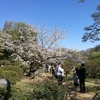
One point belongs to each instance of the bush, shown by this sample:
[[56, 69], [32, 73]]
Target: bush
[[3, 92], [93, 68], [12, 94], [48, 91], [5, 62], [1, 73], [14, 63], [17, 94], [16, 69], [11, 76]]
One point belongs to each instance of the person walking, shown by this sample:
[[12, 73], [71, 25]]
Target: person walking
[[60, 73], [82, 77]]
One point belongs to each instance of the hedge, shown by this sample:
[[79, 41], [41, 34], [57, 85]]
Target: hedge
[[48, 90], [17, 69], [12, 76], [1, 73]]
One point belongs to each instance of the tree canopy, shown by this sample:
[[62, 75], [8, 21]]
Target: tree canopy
[[93, 31], [40, 45]]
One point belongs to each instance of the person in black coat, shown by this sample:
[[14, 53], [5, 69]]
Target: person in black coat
[[82, 77]]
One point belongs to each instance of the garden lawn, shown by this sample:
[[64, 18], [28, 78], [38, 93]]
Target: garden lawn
[[26, 85]]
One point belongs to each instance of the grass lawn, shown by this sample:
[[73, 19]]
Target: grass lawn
[[25, 85]]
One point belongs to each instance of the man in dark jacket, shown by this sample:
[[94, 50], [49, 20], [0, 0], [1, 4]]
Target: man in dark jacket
[[82, 77]]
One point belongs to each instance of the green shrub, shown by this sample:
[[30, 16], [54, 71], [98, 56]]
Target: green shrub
[[1, 73], [17, 94], [3, 92], [48, 91], [14, 63], [12, 94], [93, 68], [5, 62], [16, 69], [12, 76]]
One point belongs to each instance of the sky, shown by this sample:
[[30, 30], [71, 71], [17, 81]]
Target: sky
[[65, 14]]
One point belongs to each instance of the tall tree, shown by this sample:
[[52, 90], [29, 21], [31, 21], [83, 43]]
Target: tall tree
[[29, 43], [18, 38]]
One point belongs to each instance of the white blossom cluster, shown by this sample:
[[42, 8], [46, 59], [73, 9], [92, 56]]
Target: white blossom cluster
[[45, 49]]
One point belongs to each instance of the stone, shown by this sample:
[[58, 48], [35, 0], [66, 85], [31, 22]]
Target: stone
[[5, 82]]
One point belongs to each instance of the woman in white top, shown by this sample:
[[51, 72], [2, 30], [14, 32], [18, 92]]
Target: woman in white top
[[60, 74]]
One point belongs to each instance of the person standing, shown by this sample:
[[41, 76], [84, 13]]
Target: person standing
[[46, 68], [60, 74], [53, 70], [49, 69], [82, 77], [56, 70], [75, 79]]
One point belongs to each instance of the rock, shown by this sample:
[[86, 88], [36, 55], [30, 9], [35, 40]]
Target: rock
[[5, 82]]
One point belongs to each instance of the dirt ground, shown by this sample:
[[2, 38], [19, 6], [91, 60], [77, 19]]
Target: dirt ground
[[75, 95]]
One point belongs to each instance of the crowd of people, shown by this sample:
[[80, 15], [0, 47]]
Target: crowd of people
[[56, 70], [79, 75]]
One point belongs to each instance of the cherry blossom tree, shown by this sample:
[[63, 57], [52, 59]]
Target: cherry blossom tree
[[27, 43], [35, 45]]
